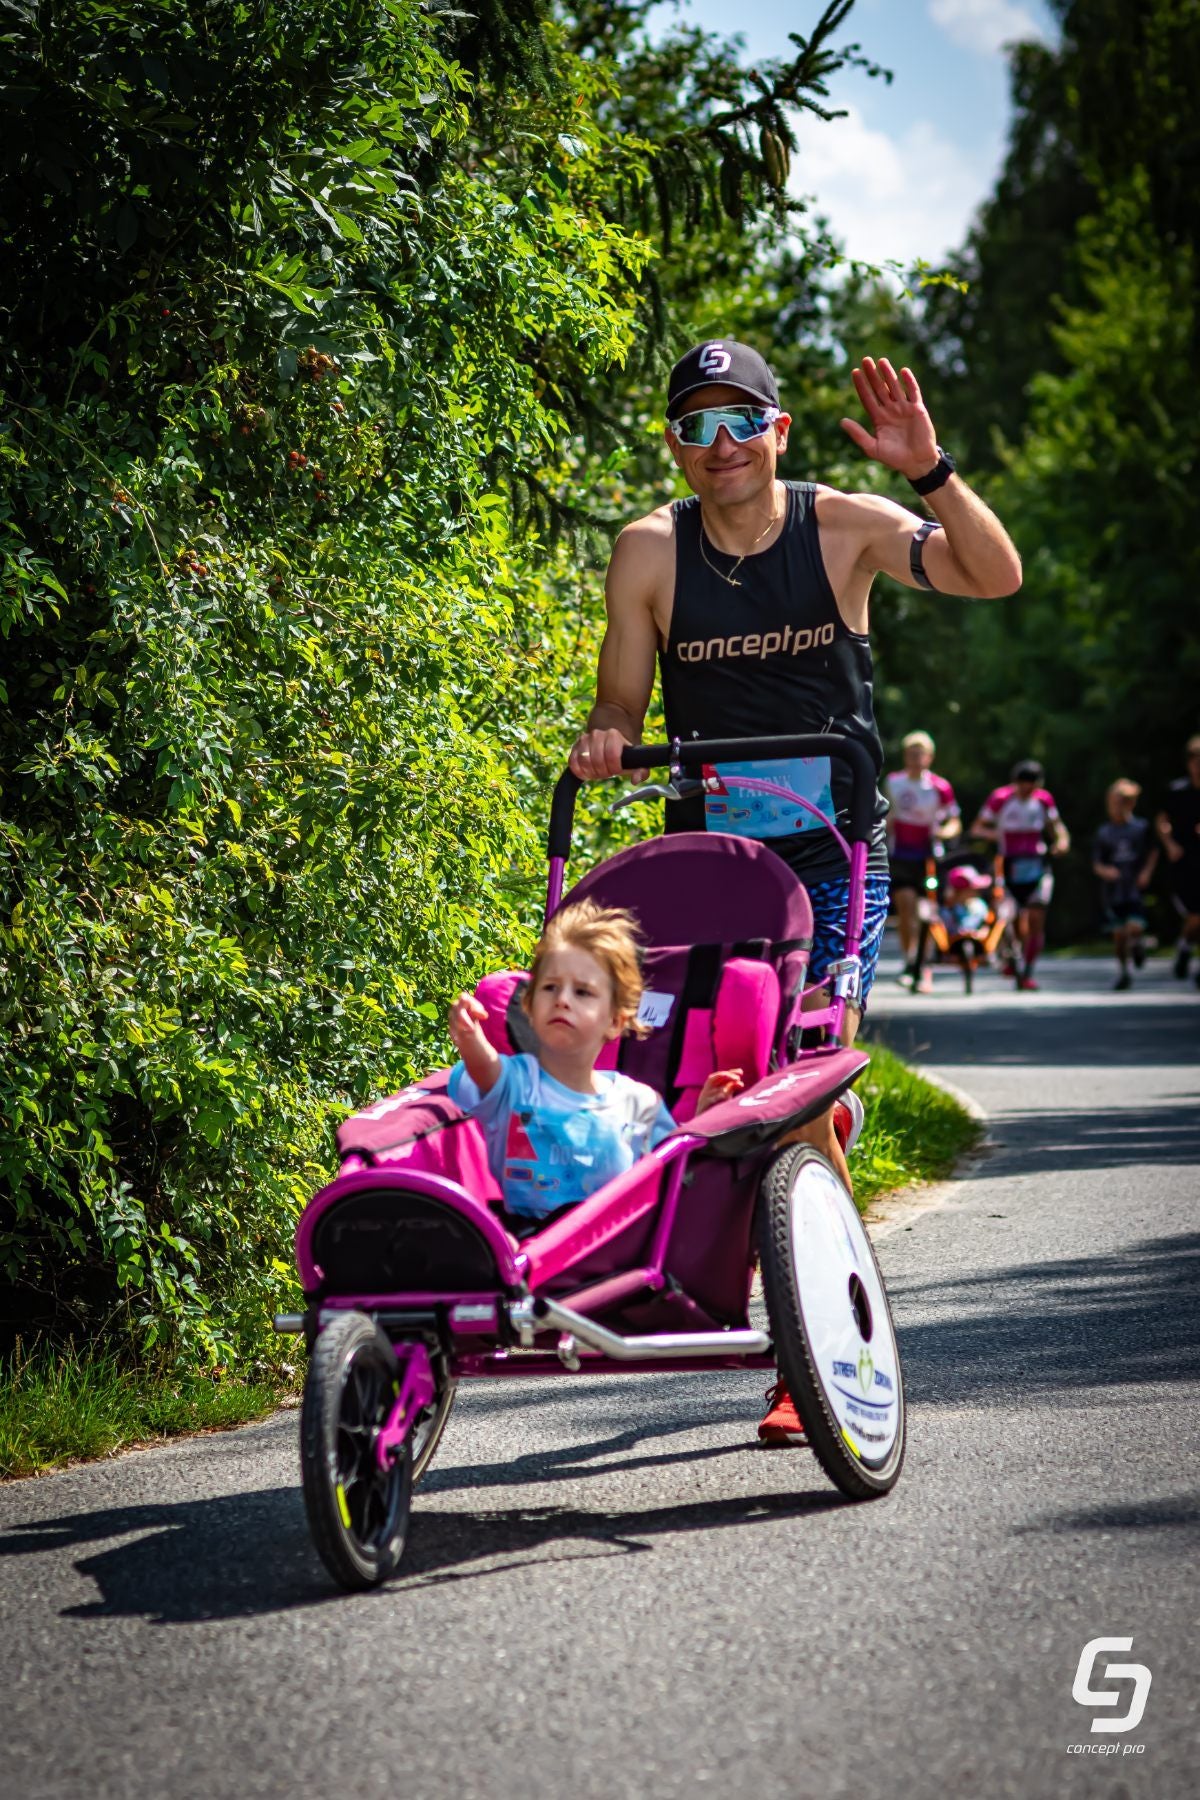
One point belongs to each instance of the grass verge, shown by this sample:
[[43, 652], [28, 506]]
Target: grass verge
[[64, 1405], [913, 1131]]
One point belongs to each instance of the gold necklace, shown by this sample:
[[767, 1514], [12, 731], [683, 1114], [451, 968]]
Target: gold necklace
[[745, 553]]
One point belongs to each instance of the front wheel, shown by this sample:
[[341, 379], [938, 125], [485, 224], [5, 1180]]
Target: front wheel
[[427, 1433], [831, 1323], [357, 1511]]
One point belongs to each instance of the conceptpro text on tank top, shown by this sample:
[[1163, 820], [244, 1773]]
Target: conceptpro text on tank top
[[756, 644]]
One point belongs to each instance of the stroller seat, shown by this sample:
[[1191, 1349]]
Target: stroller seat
[[727, 932]]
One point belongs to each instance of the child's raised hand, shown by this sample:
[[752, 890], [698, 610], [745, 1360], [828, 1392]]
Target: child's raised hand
[[463, 1022], [721, 1085]]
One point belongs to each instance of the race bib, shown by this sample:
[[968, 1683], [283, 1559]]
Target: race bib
[[742, 812]]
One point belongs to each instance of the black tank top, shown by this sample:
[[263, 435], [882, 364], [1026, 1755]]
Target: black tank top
[[770, 656]]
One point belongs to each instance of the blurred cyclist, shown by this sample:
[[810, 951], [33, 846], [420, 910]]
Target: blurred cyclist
[[1024, 821], [1178, 826], [922, 815], [1124, 855]]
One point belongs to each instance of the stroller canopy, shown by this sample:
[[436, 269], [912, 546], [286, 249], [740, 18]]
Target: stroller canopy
[[700, 887]]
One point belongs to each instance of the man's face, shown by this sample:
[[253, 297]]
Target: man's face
[[1193, 760], [917, 758], [728, 473]]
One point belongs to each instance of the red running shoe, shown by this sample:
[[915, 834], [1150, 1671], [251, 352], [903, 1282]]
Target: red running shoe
[[848, 1120], [781, 1428], [1027, 984]]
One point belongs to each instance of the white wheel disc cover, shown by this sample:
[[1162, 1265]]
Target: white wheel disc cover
[[860, 1377]]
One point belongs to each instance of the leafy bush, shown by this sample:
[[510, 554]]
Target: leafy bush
[[302, 313]]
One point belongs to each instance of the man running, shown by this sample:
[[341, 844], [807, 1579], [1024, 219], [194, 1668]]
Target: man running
[[1024, 821], [1178, 827], [753, 594], [922, 815], [1124, 856]]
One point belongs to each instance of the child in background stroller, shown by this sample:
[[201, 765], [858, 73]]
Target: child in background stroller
[[966, 923]]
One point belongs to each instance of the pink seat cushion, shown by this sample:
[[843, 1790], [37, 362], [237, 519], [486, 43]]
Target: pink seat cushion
[[737, 1033], [496, 993]]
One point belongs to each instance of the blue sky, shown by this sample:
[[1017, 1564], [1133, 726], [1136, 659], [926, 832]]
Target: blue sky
[[901, 176]]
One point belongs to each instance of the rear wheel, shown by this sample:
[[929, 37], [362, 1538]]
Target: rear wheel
[[357, 1511], [831, 1323]]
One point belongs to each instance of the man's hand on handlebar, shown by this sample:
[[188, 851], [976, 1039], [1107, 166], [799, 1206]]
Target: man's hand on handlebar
[[597, 755]]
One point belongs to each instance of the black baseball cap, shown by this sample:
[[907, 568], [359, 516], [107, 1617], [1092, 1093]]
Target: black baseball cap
[[727, 362], [1029, 770]]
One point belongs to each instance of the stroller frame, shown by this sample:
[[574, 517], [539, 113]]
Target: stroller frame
[[652, 1272]]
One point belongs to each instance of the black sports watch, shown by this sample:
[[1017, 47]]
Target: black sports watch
[[937, 477]]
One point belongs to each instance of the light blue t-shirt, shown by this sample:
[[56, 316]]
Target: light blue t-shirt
[[549, 1146]]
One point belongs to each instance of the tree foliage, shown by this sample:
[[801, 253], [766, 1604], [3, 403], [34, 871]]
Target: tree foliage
[[319, 326], [1056, 377]]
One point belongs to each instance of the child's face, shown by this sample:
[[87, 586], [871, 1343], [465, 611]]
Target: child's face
[[572, 1008]]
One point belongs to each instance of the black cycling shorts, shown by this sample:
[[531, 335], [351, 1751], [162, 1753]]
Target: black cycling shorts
[[1184, 882], [1028, 880], [907, 872]]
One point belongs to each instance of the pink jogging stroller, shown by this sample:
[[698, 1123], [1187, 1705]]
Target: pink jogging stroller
[[412, 1283]]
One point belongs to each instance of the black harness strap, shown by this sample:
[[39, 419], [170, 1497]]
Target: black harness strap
[[699, 986]]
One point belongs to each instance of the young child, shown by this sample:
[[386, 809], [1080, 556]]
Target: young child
[[557, 1128], [1124, 856], [964, 910]]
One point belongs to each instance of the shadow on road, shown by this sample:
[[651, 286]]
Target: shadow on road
[[1108, 1036], [444, 1544], [1054, 1142], [1178, 1512], [572, 1462], [241, 1555], [1082, 1322]]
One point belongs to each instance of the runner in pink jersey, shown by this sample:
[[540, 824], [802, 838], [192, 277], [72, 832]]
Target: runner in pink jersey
[[922, 814], [1024, 821]]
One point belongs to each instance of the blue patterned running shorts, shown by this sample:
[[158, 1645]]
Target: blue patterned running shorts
[[829, 902]]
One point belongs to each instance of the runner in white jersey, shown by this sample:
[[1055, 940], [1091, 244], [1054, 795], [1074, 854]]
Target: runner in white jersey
[[1024, 821], [922, 814]]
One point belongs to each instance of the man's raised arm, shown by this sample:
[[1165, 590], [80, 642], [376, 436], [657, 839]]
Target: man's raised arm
[[625, 674], [968, 552]]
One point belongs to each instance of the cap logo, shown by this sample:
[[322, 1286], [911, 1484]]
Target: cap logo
[[715, 359]]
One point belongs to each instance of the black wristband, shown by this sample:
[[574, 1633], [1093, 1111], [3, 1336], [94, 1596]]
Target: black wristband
[[937, 477]]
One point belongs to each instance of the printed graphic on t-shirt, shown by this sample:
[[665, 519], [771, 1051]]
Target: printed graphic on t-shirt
[[1021, 823], [744, 813], [918, 804], [1125, 846], [549, 1146]]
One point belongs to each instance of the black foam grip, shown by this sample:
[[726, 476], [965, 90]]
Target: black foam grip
[[562, 814]]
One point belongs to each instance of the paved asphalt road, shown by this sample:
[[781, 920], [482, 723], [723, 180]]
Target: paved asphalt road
[[610, 1592]]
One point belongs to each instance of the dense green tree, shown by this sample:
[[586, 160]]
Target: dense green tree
[[318, 330]]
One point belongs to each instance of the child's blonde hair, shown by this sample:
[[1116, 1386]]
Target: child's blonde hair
[[610, 935]]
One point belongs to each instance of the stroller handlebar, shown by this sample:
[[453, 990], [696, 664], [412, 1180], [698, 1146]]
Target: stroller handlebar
[[691, 757]]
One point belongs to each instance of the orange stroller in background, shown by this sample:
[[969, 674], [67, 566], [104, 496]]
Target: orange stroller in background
[[969, 922]]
